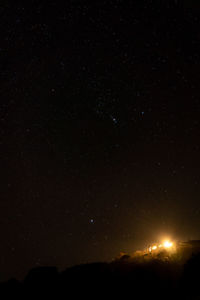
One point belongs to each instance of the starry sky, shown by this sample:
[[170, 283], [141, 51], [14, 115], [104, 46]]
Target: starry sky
[[99, 129]]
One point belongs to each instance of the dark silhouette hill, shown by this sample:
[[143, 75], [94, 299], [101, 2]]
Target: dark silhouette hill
[[122, 278]]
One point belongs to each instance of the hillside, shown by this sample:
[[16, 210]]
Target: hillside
[[153, 279]]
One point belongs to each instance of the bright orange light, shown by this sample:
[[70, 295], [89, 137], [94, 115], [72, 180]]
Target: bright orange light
[[160, 246], [154, 247], [167, 244]]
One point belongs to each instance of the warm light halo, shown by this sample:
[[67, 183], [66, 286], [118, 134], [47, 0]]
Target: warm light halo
[[167, 244]]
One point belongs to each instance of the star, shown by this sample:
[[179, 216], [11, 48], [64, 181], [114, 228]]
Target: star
[[114, 119]]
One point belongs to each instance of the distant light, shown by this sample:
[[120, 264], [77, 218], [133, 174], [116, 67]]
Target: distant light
[[114, 119], [167, 244], [160, 246], [154, 247]]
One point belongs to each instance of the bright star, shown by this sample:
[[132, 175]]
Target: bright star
[[114, 119]]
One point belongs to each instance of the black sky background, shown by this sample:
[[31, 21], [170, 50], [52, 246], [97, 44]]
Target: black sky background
[[99, 129]]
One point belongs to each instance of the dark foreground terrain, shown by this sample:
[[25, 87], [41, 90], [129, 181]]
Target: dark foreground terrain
[[123, 278]]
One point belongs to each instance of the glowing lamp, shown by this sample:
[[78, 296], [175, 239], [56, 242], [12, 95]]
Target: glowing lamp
[[167, 244]]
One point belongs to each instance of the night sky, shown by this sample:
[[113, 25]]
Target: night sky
[[99, 129]]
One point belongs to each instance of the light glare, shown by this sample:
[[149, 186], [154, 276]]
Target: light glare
[[167, 244]]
